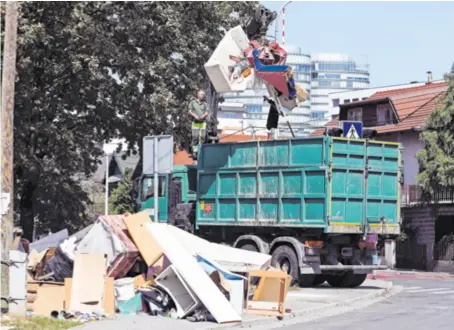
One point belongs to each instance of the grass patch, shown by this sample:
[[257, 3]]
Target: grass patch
[[39, 323]]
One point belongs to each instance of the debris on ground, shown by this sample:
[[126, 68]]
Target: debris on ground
[[126, 264]]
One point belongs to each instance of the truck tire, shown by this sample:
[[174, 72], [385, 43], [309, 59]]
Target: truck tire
[[356, 280], [319, 280], [306, 280], [249, 247], [346, 280], [338, 281], [284, 257]]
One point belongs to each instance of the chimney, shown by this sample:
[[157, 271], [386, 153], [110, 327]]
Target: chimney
[[429, 77]]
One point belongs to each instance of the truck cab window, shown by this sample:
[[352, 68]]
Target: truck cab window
[[148, 188]]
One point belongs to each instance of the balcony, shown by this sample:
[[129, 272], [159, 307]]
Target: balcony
[[411, 195]]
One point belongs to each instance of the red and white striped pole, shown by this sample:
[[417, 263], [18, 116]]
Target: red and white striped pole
[[283, 26]]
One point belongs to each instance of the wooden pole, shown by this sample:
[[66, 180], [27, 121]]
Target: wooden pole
[[6, 141]]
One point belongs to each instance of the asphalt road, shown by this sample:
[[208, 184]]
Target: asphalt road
[[423, 304]]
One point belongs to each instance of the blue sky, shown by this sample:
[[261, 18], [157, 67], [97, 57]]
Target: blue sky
[[400, 40]]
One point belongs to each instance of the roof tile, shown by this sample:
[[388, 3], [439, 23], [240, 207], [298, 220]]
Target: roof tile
[[413, 105]]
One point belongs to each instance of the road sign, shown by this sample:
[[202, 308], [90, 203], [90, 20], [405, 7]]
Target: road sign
[[164, 154], [352, 129]]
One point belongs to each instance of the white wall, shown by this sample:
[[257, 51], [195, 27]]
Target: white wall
[[411, 144]]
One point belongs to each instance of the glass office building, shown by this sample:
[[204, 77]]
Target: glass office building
[[333, 73]]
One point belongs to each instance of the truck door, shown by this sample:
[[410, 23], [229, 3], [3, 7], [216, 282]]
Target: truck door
[[147, 196]]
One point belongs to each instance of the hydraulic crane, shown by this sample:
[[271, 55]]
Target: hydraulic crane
[[246, 55]]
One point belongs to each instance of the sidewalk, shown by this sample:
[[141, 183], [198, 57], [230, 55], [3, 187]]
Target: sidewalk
[[389, 273], [300, 301]]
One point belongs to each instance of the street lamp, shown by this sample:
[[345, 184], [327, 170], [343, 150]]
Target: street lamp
[[106, 200], [282, 11]]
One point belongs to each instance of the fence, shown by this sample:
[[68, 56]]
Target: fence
[[411, 194], [444, 250], [411, 255]]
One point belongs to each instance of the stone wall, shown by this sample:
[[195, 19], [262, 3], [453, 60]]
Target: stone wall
[[423, 218]]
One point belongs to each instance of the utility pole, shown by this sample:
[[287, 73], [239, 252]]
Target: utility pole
[[6, 141]]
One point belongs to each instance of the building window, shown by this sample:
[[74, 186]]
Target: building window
[[228, 115], [349, 84], [335, 102], [355, 100], [318, 115], [384, 114], [302, 67], [355, 114], [332, 76], [347, 101], [254, 108], [364, 98], [324, 83]]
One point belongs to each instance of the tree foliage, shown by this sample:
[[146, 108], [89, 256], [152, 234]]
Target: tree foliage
[[92, 71], [120, 200], [436, 160]]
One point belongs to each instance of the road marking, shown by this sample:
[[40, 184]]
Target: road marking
[[412, 288], [443, 292], [426, 290]]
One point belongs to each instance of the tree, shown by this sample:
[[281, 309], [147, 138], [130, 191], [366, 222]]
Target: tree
[[92, 71], [436, 160], [120, 200]]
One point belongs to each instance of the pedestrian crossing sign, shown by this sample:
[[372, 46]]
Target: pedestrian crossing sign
[[352, 129]]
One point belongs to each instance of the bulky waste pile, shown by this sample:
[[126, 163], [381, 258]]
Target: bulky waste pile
[[127, 264]]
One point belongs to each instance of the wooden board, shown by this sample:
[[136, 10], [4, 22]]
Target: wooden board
[[68, 288], [109, 296], [108, 299], [269, 296], [139, 280], [49, 298], [88, 282], [147, 246]]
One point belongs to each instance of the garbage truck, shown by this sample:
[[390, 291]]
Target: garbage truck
[[317, 205]]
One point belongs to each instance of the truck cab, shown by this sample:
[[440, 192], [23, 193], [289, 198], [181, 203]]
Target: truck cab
[[178, 187]]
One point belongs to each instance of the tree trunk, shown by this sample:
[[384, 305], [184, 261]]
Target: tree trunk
[[26, 211]]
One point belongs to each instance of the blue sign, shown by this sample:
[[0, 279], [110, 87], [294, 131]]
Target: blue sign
[[352, 129]]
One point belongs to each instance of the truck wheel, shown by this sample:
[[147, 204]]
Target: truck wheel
[[306, 280], [338, 281], [285, 258], [346, 280], [249, 247], [319, 279], [356, 280]]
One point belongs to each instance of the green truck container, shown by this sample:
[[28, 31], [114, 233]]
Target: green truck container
[[335, 184], [316, 204]]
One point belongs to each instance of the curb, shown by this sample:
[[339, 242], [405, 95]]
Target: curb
[[294, 314], [409, 275]]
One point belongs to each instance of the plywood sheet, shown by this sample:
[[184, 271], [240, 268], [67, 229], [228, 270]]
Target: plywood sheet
[[68, 288], [109, 296], [49, 298], [147, 246], [139, 280], [108, 299], [88, 282]]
